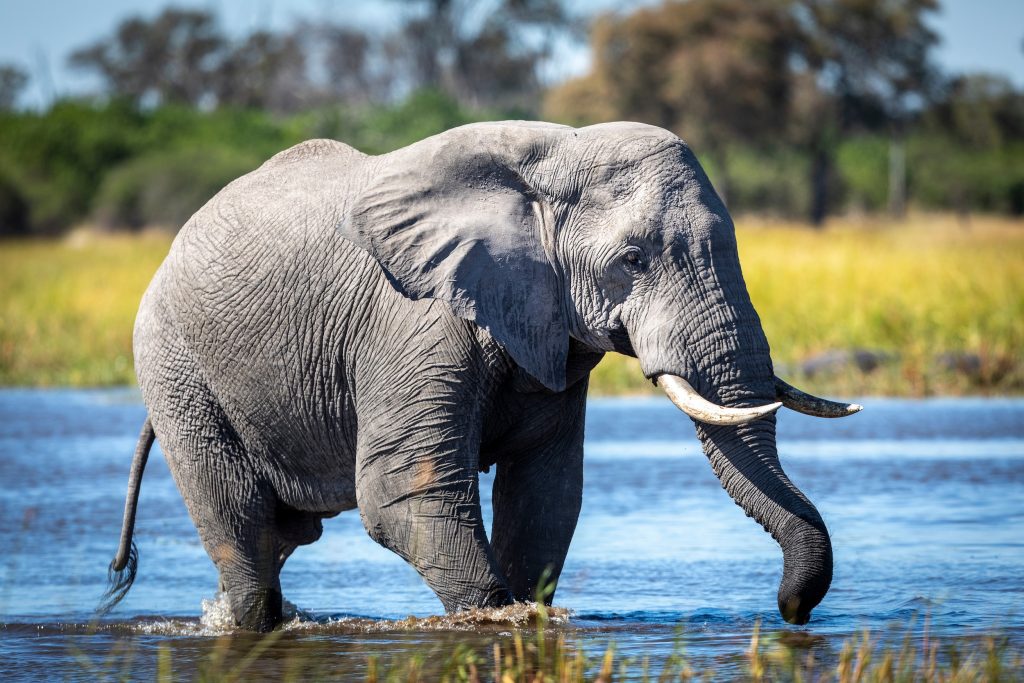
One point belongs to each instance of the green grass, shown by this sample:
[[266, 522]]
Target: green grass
[[913, 290]]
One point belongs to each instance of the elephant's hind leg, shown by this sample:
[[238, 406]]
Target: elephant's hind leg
[[233, 508]]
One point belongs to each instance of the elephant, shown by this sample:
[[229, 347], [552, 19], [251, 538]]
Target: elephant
[[339, 331]]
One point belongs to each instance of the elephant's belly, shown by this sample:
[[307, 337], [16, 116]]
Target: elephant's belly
[[310, 464], [314, 482]]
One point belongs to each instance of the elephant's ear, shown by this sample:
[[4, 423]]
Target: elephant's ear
[[463, 226]]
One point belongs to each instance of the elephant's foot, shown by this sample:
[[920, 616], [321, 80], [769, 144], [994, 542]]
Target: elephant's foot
[[495, 595], [258, 610]]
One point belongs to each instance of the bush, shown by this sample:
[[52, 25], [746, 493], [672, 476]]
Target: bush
[[952, 175], [14, 208], [863, 167], [165, 188], [772, 181], [58, 158]]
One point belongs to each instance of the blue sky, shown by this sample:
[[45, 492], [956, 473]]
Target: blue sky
[[38, 34]]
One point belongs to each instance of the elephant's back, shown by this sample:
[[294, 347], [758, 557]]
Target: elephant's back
[[254, 287], [280, 217]]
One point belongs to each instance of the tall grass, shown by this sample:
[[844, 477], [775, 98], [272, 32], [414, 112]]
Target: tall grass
[[68, 306], [556, 655], [907, 291]]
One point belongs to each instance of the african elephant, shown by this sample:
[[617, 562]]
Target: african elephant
[[336, 331]]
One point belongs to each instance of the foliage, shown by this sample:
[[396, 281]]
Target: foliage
[[14, 208], [181, 56], [165, 188], [795, 106], [714, 71], [863, 164], [726, 73], [942, 303], [56, 161], [13, 80], [167, 59]]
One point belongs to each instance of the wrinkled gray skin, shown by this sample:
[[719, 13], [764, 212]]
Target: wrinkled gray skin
[[337, 331]]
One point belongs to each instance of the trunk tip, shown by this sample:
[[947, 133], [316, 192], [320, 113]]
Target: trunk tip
[[791, 612]]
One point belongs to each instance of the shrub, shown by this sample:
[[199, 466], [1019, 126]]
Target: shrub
[[14, 208], [58, 158], [863, 167], [772, 181], [165, 188]]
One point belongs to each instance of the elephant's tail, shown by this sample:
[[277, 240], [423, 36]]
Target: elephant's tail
[[125, 564]]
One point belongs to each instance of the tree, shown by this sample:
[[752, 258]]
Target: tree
[[728, 72], [873, 58], [171, 59], [483, 61], [979, 110], [714, 71], [12, 82], [263, 71]]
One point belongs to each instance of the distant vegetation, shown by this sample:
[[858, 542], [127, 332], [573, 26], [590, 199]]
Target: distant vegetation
[[800, 109], [920, 307]]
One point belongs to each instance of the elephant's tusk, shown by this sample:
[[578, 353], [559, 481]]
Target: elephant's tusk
[[794, 399], [699, 408]]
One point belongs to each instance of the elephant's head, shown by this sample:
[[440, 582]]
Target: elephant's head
[[611, 235]]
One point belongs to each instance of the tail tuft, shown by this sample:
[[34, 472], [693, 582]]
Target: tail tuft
[[119, 580]]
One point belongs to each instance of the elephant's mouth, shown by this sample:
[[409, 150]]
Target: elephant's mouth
[[621, 343]]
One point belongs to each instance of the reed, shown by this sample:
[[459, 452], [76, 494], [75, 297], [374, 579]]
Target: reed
[[937, 303], [547, 656], [68, 307]]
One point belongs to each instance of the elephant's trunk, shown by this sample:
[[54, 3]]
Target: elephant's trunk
[[746, 461], [733, 367], [725, 356], [706, 332]]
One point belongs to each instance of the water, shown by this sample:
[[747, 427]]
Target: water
[[924, 501]]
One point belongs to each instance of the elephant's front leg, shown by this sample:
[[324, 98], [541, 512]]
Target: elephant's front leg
[[423, 503], [537, 497]]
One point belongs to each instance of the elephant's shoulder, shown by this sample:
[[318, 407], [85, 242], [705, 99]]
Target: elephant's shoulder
[[315, 150]]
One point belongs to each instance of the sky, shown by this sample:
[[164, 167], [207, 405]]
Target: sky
[[977, 35]]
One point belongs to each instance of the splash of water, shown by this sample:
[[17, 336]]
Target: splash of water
[[518, 615], [217, 619]]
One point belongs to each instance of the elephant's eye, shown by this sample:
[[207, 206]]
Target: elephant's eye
[[633, 259]]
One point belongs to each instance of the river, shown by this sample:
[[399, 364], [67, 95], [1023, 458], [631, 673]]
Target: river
[[924, 501]]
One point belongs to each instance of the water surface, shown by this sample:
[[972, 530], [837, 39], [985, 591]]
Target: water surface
[[924, 501]]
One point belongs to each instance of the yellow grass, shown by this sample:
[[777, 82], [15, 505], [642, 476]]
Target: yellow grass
[[68, 307], [543, 655], [912, 289]]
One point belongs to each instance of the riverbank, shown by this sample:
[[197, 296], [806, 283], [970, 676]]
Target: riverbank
[[925, 306]]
